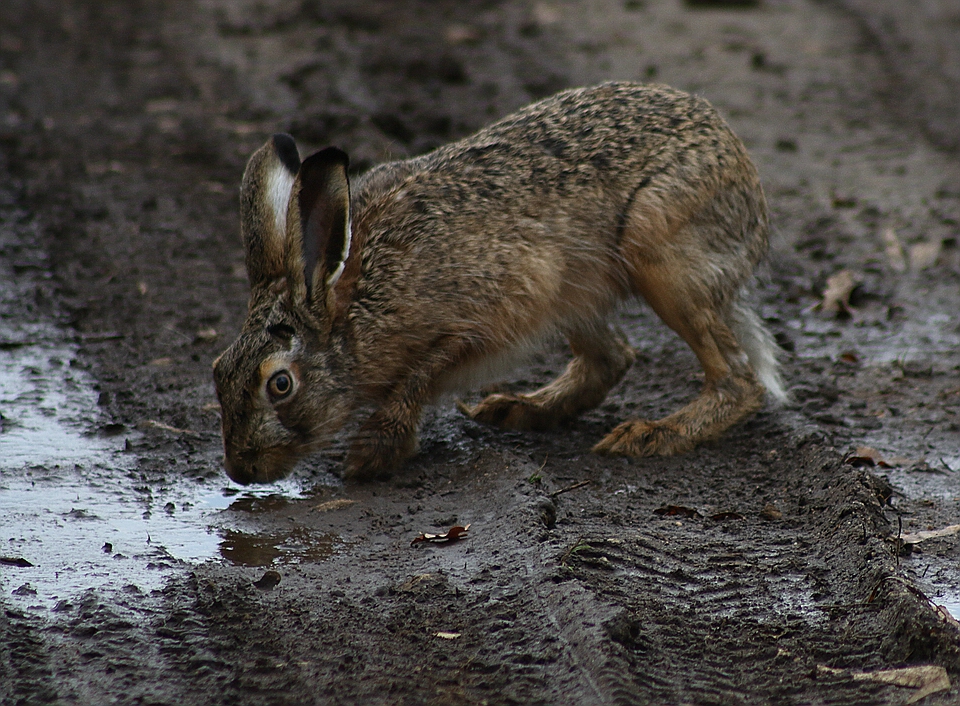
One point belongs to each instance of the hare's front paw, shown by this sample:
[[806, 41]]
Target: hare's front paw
[[514, 412], [376, 456], [642, 438]]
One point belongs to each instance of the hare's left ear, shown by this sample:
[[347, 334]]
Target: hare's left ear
[[264, 207], [322, 222]]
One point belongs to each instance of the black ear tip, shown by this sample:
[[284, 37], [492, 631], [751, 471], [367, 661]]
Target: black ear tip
[[287, 151], [328, 156]]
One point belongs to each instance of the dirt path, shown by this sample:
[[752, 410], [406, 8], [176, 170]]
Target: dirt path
[[760, 569]]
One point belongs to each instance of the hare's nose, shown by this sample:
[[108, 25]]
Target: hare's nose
[[238, 471]]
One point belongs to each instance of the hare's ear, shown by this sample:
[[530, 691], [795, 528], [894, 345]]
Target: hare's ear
[[264, 198], [323, 204]]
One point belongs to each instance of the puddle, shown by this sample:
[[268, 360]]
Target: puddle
[[267, 549], [73, 514], [921, 337]]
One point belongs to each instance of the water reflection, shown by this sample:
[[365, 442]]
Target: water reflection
[[298, 545]]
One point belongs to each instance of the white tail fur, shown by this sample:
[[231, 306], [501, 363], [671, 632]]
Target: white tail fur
[[761, 349]]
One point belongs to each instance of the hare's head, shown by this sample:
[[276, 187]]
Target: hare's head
[[284, 384]]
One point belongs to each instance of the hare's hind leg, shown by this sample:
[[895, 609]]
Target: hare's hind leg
[[731, 392], [601, 357]]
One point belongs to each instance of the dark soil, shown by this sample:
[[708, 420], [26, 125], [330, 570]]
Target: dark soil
[[734, 574]]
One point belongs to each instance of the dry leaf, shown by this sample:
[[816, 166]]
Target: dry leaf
[[458, 34], [917, 537], [836, 297], [894, 251], [926, 679], [205, 335], [676, 511], [452, 535], [866, 456], [850, 357], [923, 255], [771, 512], [337, 504], [447, 635]]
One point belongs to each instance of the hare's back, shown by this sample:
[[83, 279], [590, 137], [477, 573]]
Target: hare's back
[[571, 162]]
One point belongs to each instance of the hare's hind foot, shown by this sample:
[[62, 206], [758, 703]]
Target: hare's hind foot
[[639, 437], [602, 357], [718, 408]]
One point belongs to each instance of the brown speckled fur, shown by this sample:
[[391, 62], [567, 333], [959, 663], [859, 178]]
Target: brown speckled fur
[[466, 257]]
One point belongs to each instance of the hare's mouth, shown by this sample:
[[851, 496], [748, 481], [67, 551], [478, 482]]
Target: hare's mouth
[[261, 466]]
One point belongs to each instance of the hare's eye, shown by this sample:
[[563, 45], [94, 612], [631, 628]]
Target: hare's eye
[[280, 385]]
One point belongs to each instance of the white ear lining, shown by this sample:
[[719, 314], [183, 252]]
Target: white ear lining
[[279, 185], [335, 275]]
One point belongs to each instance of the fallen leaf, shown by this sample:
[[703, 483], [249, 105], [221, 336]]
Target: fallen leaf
[[461, 34], [836, 297], [923, 255], [421, 583], [926, 679], [452, 535], [866, 456], [894, 251], [205, 335], [917, 537], [331, 505], [771, 512], [676, 511], [447, 635]]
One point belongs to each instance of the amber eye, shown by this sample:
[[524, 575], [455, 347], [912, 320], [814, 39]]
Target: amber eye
[[280, 385]]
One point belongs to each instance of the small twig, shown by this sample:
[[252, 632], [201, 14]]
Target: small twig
[[582, 483], [567, 554], [172, 329], [899, 537], [154, 424]]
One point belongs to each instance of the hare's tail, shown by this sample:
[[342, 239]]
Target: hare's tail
[[761, 349]]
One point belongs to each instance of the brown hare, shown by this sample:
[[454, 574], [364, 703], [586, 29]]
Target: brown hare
[[433, 274]]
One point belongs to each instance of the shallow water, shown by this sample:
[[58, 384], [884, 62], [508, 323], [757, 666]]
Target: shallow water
[[73, 516], [71, 507]]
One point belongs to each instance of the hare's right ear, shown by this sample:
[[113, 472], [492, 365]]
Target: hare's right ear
[[320, 220], [264, 199]]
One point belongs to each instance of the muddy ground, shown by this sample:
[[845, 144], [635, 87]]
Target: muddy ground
[[764, 568]]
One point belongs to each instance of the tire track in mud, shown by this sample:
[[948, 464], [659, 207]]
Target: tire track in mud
[[750, 614]]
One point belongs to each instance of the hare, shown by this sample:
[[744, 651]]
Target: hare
[[432, 274]]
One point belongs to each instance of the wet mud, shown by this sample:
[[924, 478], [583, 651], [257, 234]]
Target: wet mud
[[768, 567]]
